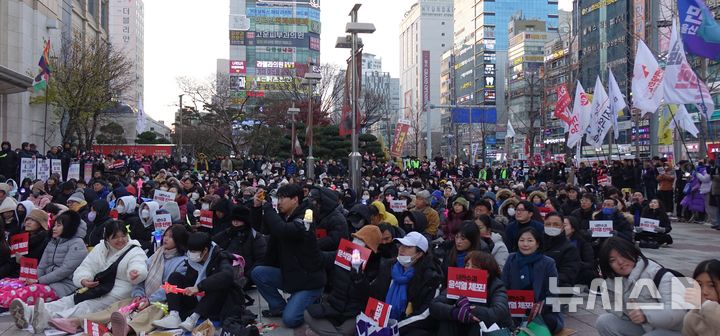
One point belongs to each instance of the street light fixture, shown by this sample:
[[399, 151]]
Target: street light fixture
[[310, 79], [354, 28]]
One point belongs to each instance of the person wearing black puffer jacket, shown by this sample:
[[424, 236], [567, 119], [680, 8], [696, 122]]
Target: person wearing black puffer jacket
[[240, 238], [557, 247], [350, 291], [98, 218], [221, 217], [331, 224]]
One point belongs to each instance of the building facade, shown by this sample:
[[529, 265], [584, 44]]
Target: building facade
[[127, 35], [426, 32]]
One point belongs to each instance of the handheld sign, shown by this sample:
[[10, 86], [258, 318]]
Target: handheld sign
[[114, 214], [94, 328], [378, 311], [544, 211], [601, 228], [28, 168], [74, 171], [520, 302], [19, 244], [43, 169], [163, 197], [649, 225], [28, 268], [56, 166], [398, 206], [471, 283], [206, 218], [343, 258], [162, 221], [87, 171]]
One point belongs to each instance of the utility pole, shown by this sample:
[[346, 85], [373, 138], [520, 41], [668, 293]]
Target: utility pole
[[180, 125]]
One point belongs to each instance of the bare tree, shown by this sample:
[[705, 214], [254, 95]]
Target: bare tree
[[417, 129]]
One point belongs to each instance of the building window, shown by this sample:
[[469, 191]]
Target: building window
[[442, 34], [442, 23], [443, 45]]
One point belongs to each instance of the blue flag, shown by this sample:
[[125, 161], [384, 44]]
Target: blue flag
[[700, 33]]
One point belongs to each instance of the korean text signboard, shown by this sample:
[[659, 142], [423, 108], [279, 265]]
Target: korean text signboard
[[520, 302], [378, 311], [601, 228], [162, 221], [206, 218], [19, 244], [343, 258], [163, 197], [470, 283], [649, 225], [28, 268]]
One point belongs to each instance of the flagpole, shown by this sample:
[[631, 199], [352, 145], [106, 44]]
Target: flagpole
[[680, 135], [47, 87]]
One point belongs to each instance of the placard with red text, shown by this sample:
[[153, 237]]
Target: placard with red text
[[520, 302], [378, 311], [470, 283], [19, 244], [206, 218], [343, 258], [28, 268]]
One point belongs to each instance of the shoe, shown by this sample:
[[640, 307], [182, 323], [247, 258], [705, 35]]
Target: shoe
[[119, 324], [40, 317], [172, 321], [272, 313], [21, 313], [190, 322], [64, 325]]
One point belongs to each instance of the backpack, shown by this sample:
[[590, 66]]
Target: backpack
[[661, 273]]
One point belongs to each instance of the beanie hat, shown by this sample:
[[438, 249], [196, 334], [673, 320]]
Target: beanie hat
[[77, 196], [39, 216], [371, 235], [462, 201], [39, 185], [240, 213]]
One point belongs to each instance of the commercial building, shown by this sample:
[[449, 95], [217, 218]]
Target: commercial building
[[426, 32], [127, 36]]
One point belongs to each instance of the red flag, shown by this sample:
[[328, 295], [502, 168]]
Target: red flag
[[562, 107]]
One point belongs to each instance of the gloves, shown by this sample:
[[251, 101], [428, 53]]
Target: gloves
[[461, 311]]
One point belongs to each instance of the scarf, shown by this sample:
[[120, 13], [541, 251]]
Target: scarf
[[524, 263], [157, 268], [397, 294], [460, 260]]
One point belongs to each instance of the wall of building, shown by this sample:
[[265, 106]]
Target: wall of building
[[126, 32]]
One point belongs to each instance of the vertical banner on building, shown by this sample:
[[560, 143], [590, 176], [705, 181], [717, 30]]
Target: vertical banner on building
[[425, 78], [43, 169], [401, 131], [638, 21], [74, 171], [28, 168]]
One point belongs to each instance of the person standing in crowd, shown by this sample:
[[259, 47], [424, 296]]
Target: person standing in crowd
[[293, 262], [9, 161], [621, 260], [666, 179]]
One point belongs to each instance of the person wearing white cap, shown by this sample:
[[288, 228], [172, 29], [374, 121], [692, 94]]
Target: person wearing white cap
[[414, 281]]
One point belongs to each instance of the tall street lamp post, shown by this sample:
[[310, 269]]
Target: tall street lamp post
[[310, 79]]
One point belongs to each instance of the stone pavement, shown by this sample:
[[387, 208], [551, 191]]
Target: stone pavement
[[693, 244]]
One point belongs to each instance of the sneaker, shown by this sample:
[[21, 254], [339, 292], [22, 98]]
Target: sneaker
[[64, 325], [21, 313], [272, 313], [190, 322], [40, 317], [172, 321], [119, 324]]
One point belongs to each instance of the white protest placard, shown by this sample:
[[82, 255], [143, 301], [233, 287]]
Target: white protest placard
[[43, 169], [601, 228], [163, 197], [649, 225], [28, 168], [74, 171], [398, 206], [56, 167], [162, 221]]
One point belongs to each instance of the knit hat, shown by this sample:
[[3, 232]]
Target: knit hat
[[240, 213], [9, 204], [462, 201], [424, 195], [77, 196], [39, 216], [371, 235]]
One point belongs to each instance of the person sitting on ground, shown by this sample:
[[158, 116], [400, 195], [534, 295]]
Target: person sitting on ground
[[378, 214], [460, 317], [523, 218], [209, 270], [703, 320], [465, 240], [588, 266], [241, 239], [494, 239], [36, 225], [655, 210], [414, 221], [557, 247], [460, 212], [387, 249], [99, 218]]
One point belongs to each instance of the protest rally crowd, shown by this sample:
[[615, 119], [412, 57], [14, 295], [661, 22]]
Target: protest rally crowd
[[130, 244]]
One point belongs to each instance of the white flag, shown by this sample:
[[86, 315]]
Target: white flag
[[580, 117], [647, 80], [600, 122], [140, 123], [616, 100], [682, 119], [510, 130], [681, 85]]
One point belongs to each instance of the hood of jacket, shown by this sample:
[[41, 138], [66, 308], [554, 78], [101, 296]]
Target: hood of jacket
[[130, 204], [29, 206], [102, 211], [174, 210], [362, 211], [418, 218], [381, 208], [152, 207], [327, 201]]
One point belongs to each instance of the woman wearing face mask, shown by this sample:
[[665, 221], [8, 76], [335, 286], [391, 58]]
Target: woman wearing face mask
[[350, 290], [529, 269], [506, 211], [460, 317], [414, 221], [621, 260], [131, 270], [588, 265], [98, 218], [410, 284], [8, 218], [241, 239], [23, 208], [147, 213], [36, 225], [703, 320], [62, 255], [38, 196], [661, 235], [557, 247], [126, 207]]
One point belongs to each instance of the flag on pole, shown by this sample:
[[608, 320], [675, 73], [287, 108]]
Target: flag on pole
[[681, 85], [562, 106], [600, 122], [40, 81], [647, 80], [297, 149], [140, 123], [665, 131], [616, 100], [510, 130], [580, 110], [682, 119], [700, 32]]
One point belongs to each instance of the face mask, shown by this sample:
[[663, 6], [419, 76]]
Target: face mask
[[194, 256], [372, 188], [359, 242], [404, 261], [539, 204], [206, 206], [120, 208], [511, 212], [91, 216], [36, 193], [365, 197], [345, 186], [553, 232], [194, 196], [145, 213], [608, 211]]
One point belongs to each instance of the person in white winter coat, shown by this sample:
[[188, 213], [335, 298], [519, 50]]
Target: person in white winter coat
[[621, 260], [499, 250], [131, 271]]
